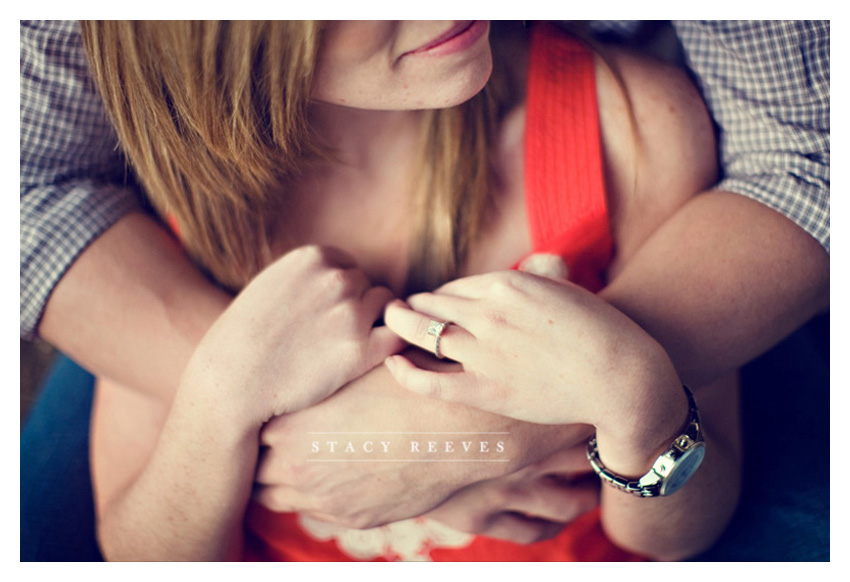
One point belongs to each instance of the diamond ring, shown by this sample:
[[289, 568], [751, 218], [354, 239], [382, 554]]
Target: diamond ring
[[436, 328]]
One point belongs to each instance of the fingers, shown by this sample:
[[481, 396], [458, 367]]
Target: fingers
[[269, 434], [454, 341], [569, 460], [541, 510], [448, 386], [521, 529], [479, 286], [381, 341], [280, 498], [269, 491], [553, 500], [472, 287], [443, 307]]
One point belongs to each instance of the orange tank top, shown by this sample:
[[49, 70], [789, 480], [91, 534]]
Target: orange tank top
[[568, 217]]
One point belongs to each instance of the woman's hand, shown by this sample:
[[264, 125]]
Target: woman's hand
[[303, 328], [533, 348], [545, 351]]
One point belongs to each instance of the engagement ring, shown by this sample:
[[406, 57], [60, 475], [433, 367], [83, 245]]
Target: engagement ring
[[436, 329]]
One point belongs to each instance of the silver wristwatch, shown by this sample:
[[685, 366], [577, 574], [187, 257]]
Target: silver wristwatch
[[670, 471]]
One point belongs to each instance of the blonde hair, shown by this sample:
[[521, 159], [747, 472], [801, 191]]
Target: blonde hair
[[212, 117]]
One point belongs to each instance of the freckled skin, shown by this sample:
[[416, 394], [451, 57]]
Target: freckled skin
[[376, 62]]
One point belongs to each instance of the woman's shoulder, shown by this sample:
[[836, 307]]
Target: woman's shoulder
[[664, 105], [658, 141]]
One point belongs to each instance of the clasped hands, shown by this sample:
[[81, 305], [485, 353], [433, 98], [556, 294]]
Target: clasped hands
[[524, 348]]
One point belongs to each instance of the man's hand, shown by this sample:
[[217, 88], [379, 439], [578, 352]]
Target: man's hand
[[530, 505], [361, 490]]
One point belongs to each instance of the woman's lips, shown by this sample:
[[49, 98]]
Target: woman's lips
[[457, 38]]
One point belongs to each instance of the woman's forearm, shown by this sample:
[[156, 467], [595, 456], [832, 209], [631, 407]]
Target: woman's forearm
[[133, 307], [188, 501], [256, 362], [602, 370], [690, 520]]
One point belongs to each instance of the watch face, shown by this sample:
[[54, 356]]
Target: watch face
[[684, 467]]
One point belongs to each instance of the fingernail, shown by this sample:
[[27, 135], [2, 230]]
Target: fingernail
[[390, 363]]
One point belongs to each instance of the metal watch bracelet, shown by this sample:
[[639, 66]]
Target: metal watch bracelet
[[652, 484]]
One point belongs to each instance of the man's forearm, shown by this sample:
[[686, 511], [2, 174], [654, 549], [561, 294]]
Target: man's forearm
[[721, 282], [132, 307], [374, 408]]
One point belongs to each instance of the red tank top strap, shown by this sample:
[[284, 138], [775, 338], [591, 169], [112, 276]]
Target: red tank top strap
[[565, 189], [568, 217]]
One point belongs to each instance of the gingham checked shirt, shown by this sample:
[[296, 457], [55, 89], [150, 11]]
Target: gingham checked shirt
[[766, 83]]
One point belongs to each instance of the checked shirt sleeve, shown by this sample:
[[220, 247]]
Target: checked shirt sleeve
[[72, 176], [767, 86]]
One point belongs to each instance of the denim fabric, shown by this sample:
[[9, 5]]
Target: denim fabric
[[57, 509]]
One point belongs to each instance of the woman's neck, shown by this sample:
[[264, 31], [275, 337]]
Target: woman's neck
[[366, 141], [359, 198]]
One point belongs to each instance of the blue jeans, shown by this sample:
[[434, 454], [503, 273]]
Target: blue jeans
[[783, 515], [57, 508]]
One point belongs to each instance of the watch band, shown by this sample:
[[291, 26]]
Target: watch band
[[652, 484]]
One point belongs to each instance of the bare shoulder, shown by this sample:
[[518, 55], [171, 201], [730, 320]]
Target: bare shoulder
[[658, 142]]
